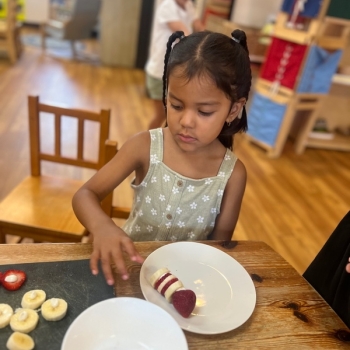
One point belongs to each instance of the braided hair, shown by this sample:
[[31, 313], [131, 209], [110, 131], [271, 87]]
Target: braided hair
[[225, 60]]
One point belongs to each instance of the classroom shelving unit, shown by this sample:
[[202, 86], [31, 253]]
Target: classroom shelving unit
[[296, 77]]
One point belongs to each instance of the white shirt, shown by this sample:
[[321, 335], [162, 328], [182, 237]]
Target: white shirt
[[167, 11]]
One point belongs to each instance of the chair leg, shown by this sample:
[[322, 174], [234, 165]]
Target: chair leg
[[12, 50], [2, 236]]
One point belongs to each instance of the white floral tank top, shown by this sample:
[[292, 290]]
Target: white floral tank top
[[169, 206]]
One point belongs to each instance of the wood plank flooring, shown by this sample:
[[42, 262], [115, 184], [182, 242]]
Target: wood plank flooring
[[293, 203]]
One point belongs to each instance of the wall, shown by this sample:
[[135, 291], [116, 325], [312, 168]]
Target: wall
[[254, 13]]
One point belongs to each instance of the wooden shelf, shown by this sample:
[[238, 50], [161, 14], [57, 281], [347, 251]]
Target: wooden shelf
[[338, 143]]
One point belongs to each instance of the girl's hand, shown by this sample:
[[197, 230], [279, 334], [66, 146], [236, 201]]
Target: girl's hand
[[347, 268], [108, 246]]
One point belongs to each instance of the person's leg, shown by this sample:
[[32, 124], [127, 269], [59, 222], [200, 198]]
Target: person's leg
[[159, 115], [155, 91]]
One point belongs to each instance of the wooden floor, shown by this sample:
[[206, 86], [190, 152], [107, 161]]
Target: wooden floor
[[293, 203]]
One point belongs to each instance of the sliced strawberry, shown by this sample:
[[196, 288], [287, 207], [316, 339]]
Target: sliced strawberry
[[157, 284], [13, 279], [167, 285], [184, 302]]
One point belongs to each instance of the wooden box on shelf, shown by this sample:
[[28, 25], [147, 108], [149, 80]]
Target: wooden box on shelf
[[333, 34]]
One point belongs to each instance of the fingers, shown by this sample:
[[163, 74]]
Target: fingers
[[130, 249], [105, 265], [118, 260], [115, 257], [347, 268], [107, 269], [94, 262]]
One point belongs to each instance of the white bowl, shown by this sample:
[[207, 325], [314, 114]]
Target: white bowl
[[126, 324]]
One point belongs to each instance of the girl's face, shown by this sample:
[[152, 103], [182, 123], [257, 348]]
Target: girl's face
[[197, 110]]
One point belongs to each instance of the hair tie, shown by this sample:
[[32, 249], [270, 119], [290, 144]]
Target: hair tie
[[236, 40]]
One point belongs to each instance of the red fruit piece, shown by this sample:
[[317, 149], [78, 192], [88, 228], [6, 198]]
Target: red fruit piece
[[15, 279], [157, 284], [167, 285], [184, 302]]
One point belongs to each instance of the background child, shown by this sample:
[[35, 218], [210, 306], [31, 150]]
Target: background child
[[170, 16], [188, 184]]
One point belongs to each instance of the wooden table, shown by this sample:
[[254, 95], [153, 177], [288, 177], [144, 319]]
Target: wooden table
[[289, 313]]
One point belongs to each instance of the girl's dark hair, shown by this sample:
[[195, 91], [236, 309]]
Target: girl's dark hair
[[224, 59]]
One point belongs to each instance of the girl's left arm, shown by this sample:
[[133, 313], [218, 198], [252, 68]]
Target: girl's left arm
[[231, 204]]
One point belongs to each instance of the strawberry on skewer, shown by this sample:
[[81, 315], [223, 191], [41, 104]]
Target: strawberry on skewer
[[183, 300]]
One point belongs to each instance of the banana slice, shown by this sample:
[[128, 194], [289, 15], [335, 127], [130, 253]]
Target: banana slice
[[24, 320], [33, 299], [6, 312], [20, 341], [154, 278], [54, 309]]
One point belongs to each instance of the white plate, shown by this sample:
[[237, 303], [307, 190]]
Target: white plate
[[225, 292], [126, 324]]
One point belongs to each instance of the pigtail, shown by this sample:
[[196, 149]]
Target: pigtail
[[239, 37], [171, 40]]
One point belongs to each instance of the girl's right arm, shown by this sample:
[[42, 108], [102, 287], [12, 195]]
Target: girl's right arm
[[110, 241]]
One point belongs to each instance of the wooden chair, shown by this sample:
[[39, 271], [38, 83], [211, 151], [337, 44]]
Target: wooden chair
[[111, 148], [10, 40], [40, 206]]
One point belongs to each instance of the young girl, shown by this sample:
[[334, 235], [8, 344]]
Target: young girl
[[188, 184]]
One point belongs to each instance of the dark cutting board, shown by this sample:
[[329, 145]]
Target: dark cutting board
[[69, 280]]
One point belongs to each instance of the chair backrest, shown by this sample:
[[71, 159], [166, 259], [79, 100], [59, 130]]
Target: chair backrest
[[81, 116], [111, 149]]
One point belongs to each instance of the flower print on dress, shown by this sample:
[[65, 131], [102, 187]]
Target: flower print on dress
[[154, 179], [213, 210], [168, 207], [153, 137], [138, 199], [190, 188], [212, 224], [166, 178], [200, 219], [208, 181], [220, 193], [191, 235], [153, 212], [193, 205], [221, 174], [149, 228], [137, 228], [168, 225], [144, 184], [175, 190], [181, 224], [148, 199], [162, 197], [205, 198], [173, 238], [178, 210], [154, 159], [227, 157], [140, 213]]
